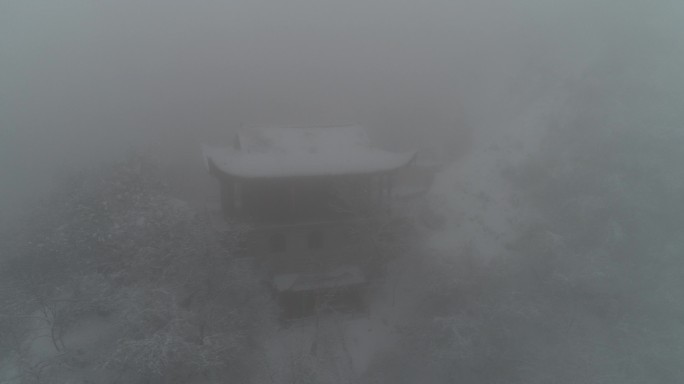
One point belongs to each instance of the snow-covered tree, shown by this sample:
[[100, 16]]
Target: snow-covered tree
[[583, 287], [115, 244]]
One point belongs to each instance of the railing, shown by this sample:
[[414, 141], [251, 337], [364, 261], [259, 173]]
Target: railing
[[265, 225]]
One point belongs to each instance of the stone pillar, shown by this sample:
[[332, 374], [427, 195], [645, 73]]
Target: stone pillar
[[237, 196], [292, 199]]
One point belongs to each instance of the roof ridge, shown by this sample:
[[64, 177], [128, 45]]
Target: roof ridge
[[277, 126]]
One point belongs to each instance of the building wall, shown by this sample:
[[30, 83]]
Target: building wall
[[341, 245], [298, 199], [287, 215]]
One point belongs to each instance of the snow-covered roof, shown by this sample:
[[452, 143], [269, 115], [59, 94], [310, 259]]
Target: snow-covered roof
[[303, 151], [341, 277]]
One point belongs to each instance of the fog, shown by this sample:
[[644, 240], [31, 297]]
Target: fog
[[83, 81], [543, 108]]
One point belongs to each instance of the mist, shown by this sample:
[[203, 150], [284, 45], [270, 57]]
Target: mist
[[82, 81], [541, 108]]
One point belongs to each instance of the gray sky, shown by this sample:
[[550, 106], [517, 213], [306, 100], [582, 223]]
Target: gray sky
[[81, 81]]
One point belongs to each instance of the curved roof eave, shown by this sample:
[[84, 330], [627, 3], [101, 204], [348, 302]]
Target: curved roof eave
[[262, 172]]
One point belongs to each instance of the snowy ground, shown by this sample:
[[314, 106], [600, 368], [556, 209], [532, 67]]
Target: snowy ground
[[330, 348], [339, 348], [338, 345], [334, 348], [85, 339]]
